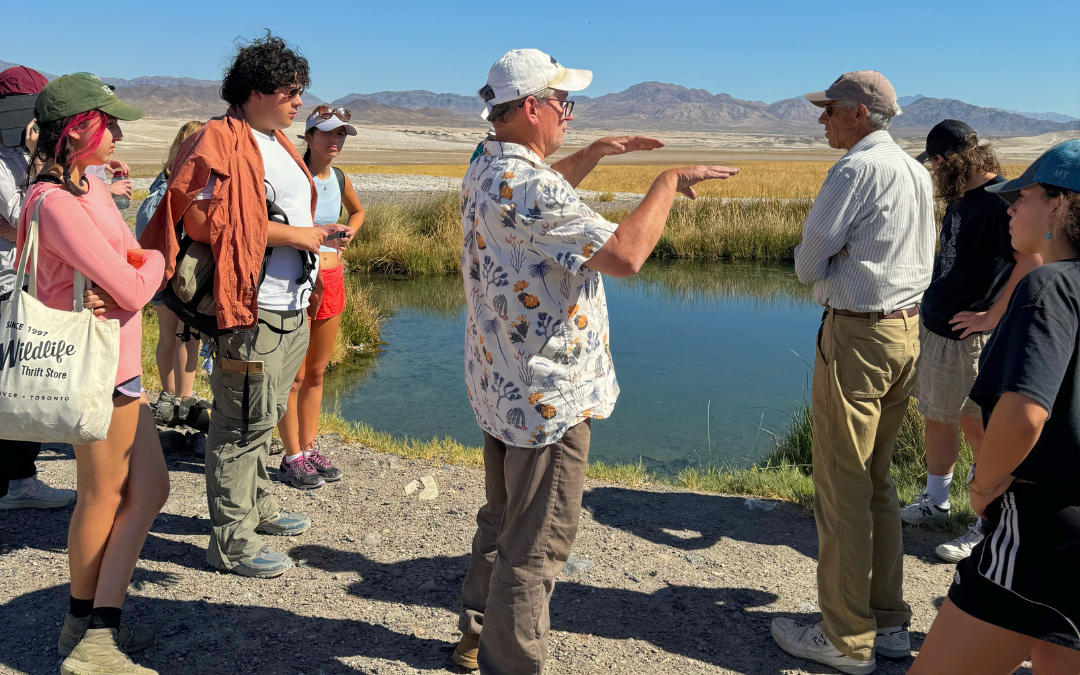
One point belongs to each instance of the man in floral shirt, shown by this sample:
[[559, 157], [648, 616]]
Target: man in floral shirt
[[538, 367]]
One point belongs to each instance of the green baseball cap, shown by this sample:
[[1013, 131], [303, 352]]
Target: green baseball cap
[[77, 93]]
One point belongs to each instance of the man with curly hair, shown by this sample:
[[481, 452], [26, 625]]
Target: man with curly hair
[[221, 184], [975, 273]]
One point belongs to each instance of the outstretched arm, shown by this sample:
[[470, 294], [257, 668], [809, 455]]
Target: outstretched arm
[[630, 245], [578, 165]]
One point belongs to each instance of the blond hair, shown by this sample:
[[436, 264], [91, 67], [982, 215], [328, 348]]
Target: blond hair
[[185, 131]]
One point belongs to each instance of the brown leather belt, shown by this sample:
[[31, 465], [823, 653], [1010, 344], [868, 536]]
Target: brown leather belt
[[878, 316]]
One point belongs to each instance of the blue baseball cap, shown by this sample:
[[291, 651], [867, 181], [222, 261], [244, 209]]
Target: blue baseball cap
[[1059, 166]]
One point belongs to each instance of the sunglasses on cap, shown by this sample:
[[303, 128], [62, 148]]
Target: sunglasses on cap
[[326, 112]]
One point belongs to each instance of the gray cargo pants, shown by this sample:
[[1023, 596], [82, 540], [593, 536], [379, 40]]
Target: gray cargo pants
[[236, 471], [524, 535]]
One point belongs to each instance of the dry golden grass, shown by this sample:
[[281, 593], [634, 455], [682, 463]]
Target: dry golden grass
[[768, 180]]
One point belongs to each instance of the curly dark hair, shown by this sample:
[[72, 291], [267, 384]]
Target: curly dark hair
[[1066, 217], [957, 168], [264, 65]]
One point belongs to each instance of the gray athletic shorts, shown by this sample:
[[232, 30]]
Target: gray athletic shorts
[[945, 372]]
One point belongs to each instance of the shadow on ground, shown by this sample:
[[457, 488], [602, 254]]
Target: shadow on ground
[[692, 522]]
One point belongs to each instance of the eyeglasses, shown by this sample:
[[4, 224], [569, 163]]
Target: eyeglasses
[[567, 105], [326, 112]]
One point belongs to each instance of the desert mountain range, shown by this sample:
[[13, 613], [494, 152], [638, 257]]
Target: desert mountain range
[[654, 106]]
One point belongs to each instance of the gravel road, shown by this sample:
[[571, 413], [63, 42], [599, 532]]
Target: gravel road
[[661, 580]]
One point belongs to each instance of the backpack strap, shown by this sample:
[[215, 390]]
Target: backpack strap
[[340, 178]]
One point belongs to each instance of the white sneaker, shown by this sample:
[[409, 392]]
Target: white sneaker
[[924, 510], [33, 494], [810, 642], [893, 643], [960, 548]]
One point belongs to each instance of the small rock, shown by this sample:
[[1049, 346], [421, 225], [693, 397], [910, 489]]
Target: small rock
[[428, 586], [425, 486], [372, 539], [578, 565], [807, 607], [762, 504], [694, 559]]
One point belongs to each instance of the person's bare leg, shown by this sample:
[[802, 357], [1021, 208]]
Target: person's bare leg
[[960, 644], [1051, 659], [101, 470], [186, 365], [942, 447], [145, 493], [165, 354], [288, 427], [323, 334], [973, 433]]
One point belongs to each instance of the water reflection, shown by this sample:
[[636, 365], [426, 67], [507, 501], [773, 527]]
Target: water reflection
[[683, 333]]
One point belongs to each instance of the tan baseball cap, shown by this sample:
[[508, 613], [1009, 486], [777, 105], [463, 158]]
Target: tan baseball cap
[[868, 87]]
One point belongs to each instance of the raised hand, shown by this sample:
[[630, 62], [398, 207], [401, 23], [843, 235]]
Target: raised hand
[[620, 145], [688, 176]]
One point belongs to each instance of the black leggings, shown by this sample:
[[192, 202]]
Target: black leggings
[[17, 461]]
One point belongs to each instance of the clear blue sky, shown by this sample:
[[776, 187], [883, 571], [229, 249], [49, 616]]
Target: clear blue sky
[[1014, 55]]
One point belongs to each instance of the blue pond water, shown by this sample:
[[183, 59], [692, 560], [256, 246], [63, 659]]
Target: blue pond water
[[702, 351]]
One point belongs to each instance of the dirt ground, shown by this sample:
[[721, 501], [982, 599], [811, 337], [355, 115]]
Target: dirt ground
[[661, 580]]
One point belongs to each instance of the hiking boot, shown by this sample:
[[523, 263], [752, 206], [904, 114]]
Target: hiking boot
[[285, 524], [300, 473], [924, 510], [466, 651], [960, 548], [99, 654], [267, 563], [811, 643], [893, 643], [165, 410], [188, 404], [33, 494], [132, 637], [321, 462]]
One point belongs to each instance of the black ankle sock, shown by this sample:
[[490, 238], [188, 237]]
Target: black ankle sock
[[105, 617], [80, 609]]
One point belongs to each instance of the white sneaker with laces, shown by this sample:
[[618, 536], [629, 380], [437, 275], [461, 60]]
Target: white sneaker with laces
[[893, 643], [960, 548], [924, 510], [810, 643], [33, 494]]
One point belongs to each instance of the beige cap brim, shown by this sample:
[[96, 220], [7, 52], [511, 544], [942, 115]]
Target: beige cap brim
[[818, 98], [571, 79]]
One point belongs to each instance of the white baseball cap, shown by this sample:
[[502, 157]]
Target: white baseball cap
[[522, 72], [327, 125]]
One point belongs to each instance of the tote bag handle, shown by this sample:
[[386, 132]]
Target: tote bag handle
[[28, 262]]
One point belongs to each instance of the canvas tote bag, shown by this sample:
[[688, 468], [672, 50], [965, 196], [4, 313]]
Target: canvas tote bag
[[57, 368]]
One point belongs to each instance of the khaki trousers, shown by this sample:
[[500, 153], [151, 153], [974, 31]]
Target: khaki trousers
[[236, 473], [523, 538], [864, 371]]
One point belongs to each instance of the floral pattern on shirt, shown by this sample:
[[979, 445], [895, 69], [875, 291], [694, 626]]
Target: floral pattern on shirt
[[537, 360]]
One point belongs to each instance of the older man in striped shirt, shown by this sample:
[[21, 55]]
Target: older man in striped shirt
[[868, 248]]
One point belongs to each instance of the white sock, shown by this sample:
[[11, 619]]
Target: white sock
[[289, 459], [938, 488]]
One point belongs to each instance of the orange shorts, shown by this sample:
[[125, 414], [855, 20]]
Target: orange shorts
[[333, 299]]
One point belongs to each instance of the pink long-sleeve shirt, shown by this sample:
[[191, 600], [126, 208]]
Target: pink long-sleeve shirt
[[88, 233]]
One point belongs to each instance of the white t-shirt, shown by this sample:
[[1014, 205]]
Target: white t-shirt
[[288, 187]]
